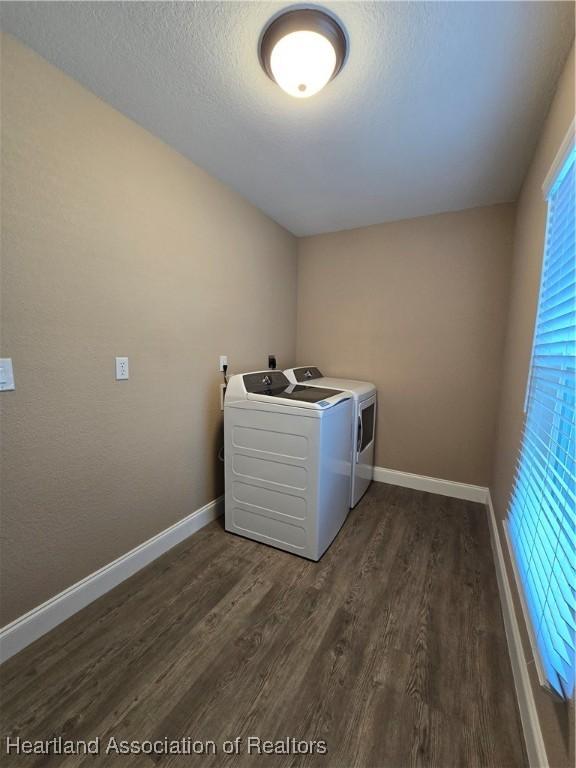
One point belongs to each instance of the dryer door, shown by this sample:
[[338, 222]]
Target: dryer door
[[365, 431]]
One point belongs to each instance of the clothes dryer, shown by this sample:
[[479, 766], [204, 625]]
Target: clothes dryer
[[363, 422]]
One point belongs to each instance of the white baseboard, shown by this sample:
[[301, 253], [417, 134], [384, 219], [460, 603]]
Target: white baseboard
[[526, 704], [431, 484], [28, 628]]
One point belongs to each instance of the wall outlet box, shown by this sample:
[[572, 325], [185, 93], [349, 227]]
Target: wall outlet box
[[122, 369], [272, 362], [6, 375], [223, 362]]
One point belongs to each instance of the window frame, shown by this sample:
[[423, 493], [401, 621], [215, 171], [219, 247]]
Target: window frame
[[552, 178]]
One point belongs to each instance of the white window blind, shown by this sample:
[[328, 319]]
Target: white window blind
[[542, 512]]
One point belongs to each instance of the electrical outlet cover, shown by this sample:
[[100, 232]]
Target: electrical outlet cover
[[6, 374], [122, 369]]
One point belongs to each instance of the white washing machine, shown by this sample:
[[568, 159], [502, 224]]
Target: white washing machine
[[363, 422], [287, 462]]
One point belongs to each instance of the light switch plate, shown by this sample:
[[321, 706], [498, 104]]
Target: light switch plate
[[6, 374], [122, 369]]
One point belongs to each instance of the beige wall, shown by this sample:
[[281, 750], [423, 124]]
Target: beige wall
[[527, 264], [418, 307], [113, 244]]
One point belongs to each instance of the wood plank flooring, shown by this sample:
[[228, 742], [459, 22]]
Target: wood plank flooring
[[391, 649]]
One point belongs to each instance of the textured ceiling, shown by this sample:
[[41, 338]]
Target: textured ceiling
[[438, 107]]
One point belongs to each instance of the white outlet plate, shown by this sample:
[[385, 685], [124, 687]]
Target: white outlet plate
[[122, 369], [223, 362], [6, 375]]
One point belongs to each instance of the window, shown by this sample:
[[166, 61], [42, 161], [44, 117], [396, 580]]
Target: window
[[541, 522]]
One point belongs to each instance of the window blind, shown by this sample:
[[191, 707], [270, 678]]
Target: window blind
[[542, 511]]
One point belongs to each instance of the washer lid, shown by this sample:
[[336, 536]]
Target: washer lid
[[302, 394], [274, 386]]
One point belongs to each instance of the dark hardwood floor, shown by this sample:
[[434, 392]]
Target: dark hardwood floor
[[391, 649]]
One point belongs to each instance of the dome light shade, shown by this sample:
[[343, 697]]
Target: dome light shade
[[302, 63], [302, 50]]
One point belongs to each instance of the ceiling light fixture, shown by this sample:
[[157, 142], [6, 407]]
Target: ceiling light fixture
[[302, 50]]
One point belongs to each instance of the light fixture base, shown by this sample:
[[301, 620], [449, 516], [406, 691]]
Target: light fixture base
[[298, 20]]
